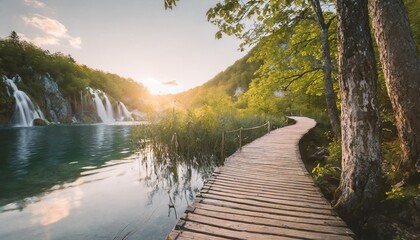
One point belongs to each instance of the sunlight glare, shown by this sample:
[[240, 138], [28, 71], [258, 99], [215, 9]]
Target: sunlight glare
[[156, 87]]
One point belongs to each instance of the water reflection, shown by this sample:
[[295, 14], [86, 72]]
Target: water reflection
[[86, 182], [25, 139], [53, 209], [32, 160], [173, 173]]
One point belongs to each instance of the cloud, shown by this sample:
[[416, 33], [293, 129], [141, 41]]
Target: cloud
[[34, 3], [48, 25], [54, 31], [171, 83], [76, 42], [40, 41]]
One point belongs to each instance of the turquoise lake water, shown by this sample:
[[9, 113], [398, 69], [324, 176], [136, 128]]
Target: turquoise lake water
[[89, 182]]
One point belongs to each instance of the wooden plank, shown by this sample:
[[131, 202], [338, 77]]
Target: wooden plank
[[188, 235], [173, 235], [300, 181], [287, 202], [274, 223], [262, 229], [269, 174], [279, 206], [268, 183], [273, 181], [228, 233], [284, 190], [264, 162], [269, 215], [283, 212], [260, 178], [262, 192]]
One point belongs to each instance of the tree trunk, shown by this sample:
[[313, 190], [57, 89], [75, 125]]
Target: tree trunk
[[360, 185], [401, 67], [330, 95]]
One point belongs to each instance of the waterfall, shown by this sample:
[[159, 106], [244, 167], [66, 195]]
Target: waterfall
[[108, 108], [105, 109], [123, 113], [100, 108], [25, 110]]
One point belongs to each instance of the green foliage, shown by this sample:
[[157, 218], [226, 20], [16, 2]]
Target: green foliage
[[391, 155], [413, 9], [287, 42], [403, 193], [7, 104], [169, 4], [238, 76], [327, 178], [31, 63], [322, 173], [334, 148], [197, 132]]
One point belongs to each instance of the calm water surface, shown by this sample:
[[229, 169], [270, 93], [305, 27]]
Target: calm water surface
[[88, 182]]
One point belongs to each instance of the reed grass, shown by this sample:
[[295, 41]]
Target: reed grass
[[198, 134]]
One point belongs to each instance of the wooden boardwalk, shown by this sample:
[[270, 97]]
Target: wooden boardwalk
[[263, 192]]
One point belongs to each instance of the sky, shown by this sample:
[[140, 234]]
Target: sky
[[168, 51]]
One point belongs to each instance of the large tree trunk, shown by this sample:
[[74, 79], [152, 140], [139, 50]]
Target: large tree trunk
[[401, 68], [360, 185], [330, 95]]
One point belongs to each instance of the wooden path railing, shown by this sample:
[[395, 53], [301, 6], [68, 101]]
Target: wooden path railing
[[264, 192], [239, 132]]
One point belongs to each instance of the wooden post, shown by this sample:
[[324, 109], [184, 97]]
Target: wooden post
[[268, 127], [222, 151], [240, 138]]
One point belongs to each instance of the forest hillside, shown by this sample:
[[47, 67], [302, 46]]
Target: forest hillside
[[55, 88]]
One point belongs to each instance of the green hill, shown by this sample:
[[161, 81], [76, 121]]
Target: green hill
[[48, 78], [233, 81]]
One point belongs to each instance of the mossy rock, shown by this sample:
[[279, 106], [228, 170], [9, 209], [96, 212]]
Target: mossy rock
[[41, 122]]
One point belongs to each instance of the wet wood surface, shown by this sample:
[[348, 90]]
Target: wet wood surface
[[263, 191]]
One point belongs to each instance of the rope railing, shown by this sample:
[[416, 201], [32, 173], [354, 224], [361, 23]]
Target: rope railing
[[240, 130]]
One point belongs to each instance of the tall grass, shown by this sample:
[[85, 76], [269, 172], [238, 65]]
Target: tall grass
[[197, 134]]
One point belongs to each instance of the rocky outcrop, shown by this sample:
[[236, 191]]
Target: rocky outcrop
[[40, 122], [7, 103], [57, 108]]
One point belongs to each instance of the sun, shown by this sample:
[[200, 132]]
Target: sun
[[156, 87]]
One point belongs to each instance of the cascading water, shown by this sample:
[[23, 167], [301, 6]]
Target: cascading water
[[25, 110], [123, 112], [108, 108], [100, 108], [105, 109]]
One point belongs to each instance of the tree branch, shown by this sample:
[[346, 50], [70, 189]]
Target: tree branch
[[307, 41], [330, 21], [298, 76]]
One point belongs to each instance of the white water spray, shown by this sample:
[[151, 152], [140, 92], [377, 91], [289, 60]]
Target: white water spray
[[123, 113], [25, 110], [105, 109], [103, 112], [108, 108]]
